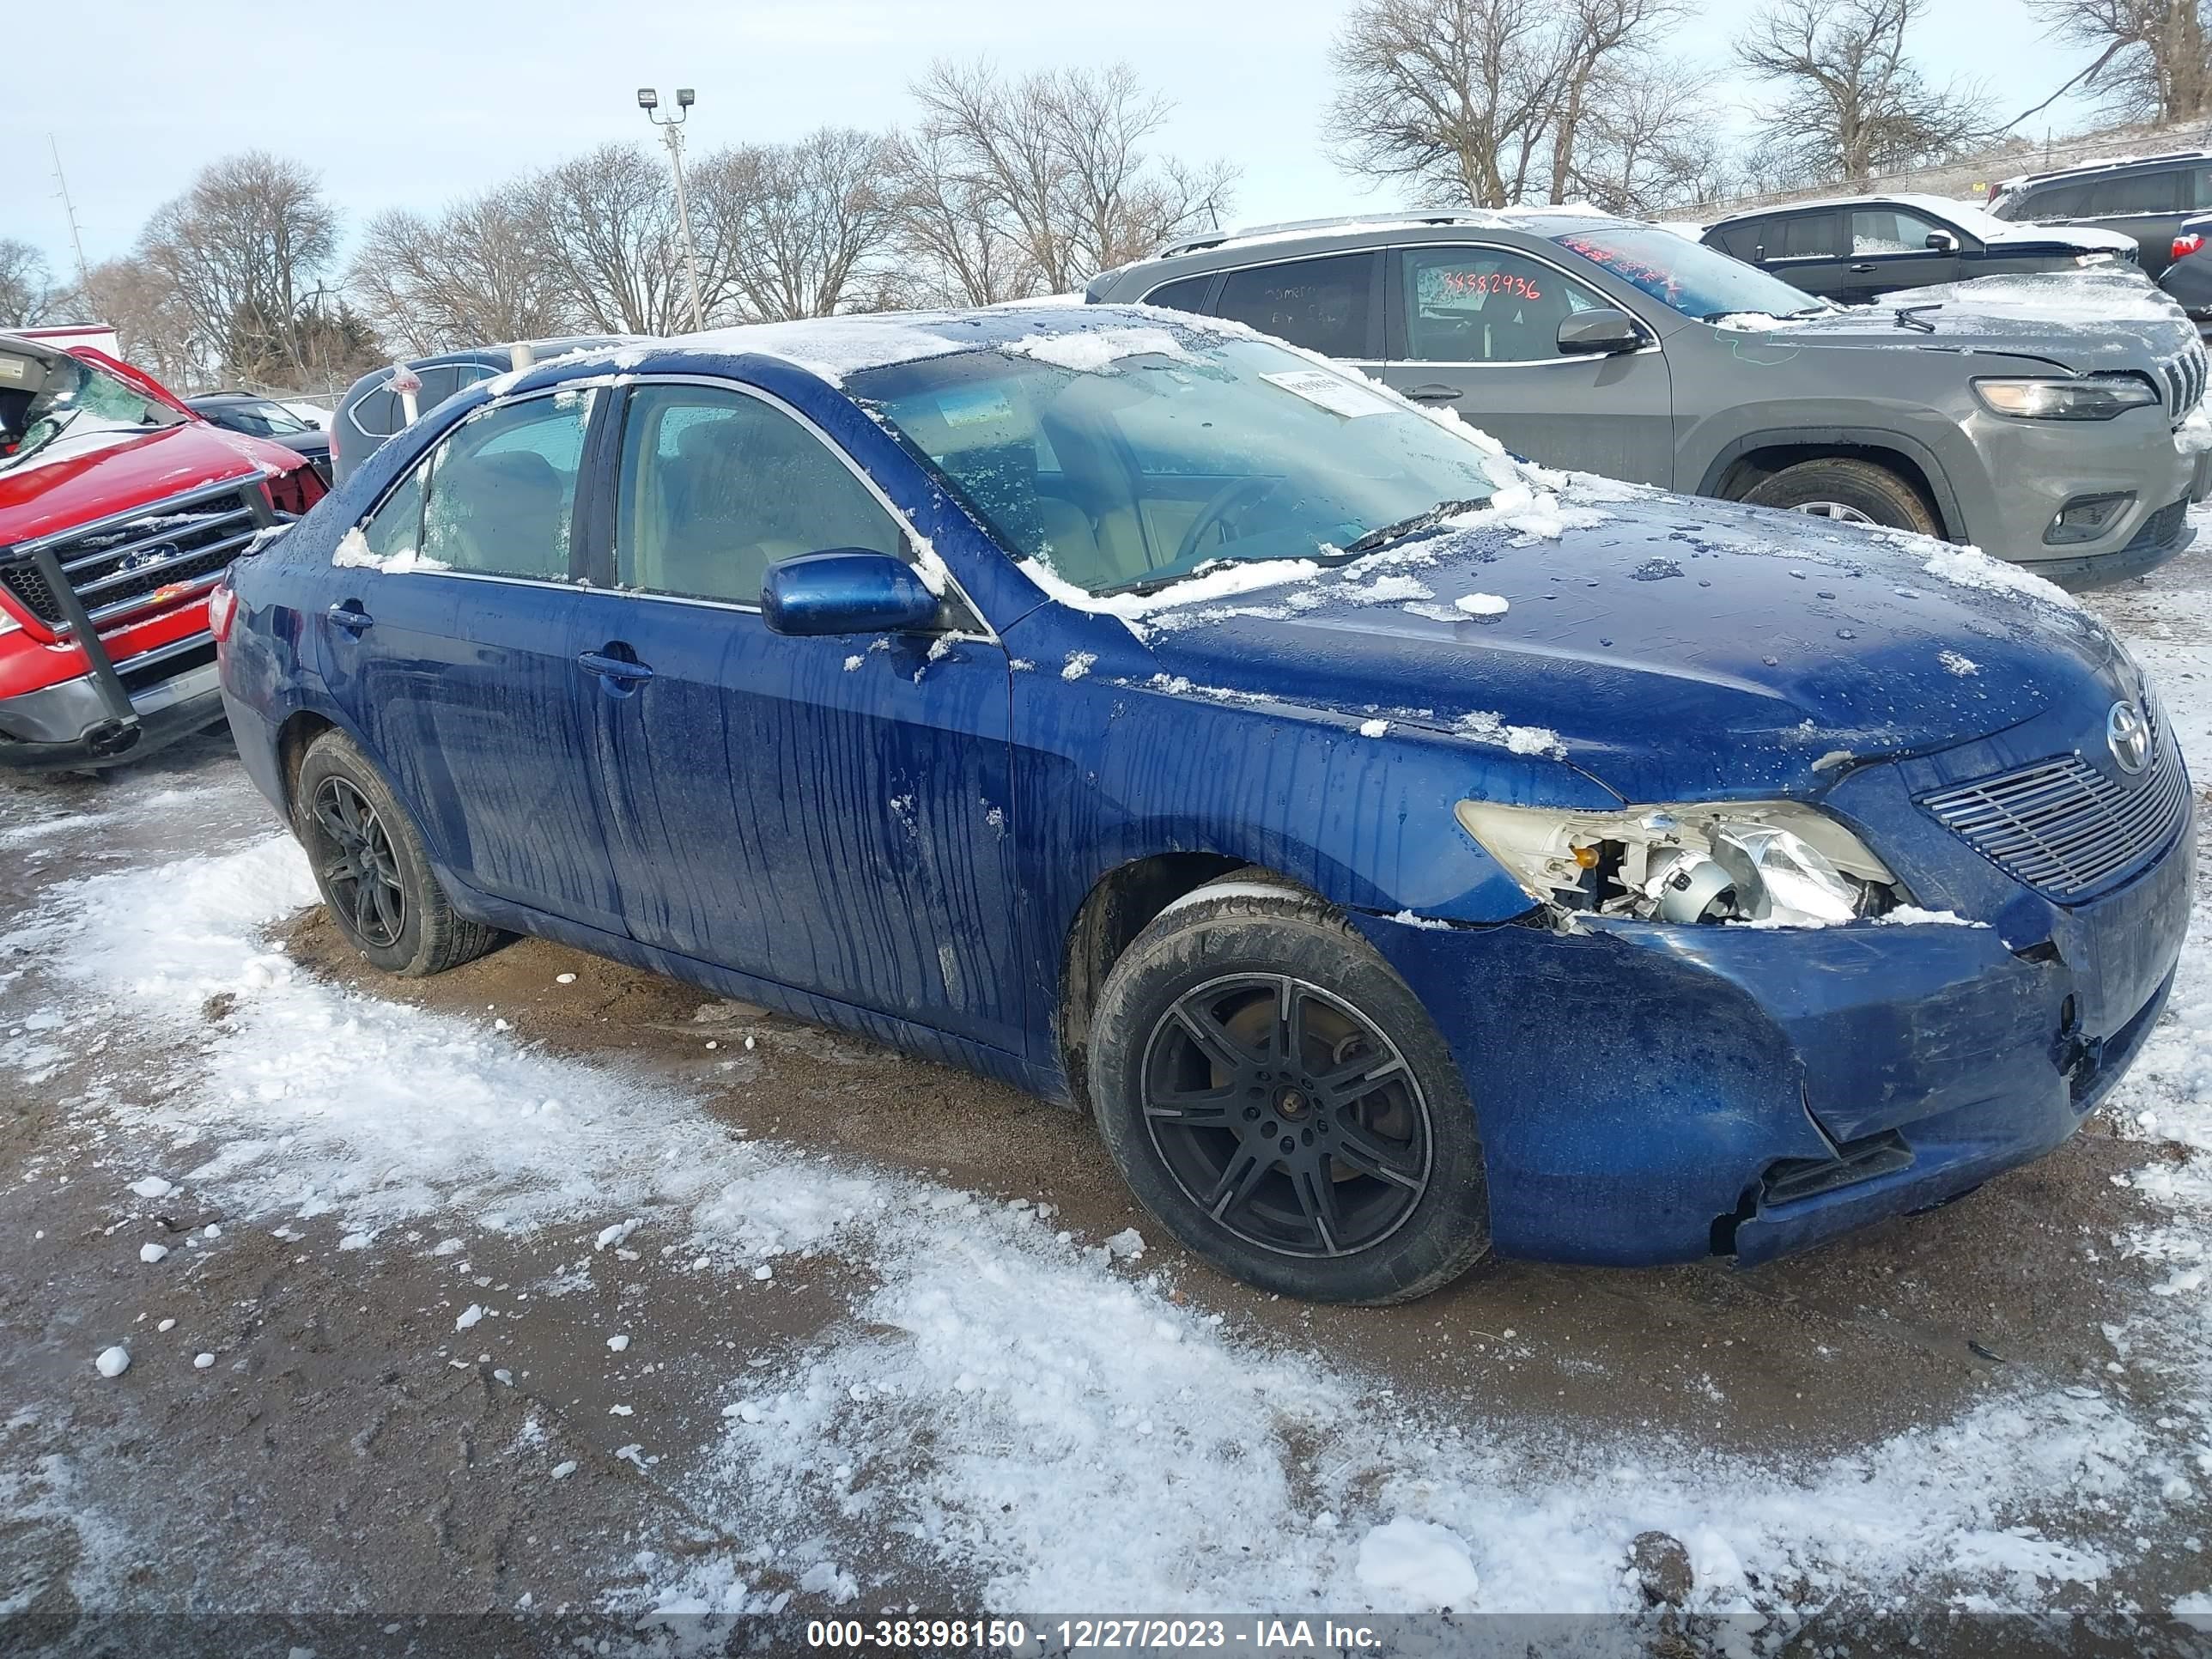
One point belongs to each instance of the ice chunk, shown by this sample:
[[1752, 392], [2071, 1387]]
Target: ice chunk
[[114, 1362], [1419, 1564]]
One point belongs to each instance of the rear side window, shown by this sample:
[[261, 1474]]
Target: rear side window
[[2140, 192], [1325, 304], [1187, 295], [502, 488], [1805, 236], [377, 413], [717, 486]]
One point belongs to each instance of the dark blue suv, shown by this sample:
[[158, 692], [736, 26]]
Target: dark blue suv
[[1401, 852]]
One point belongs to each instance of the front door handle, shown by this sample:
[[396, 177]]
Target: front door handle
[[620, 669], [1434, 392], [350, 615], [1861, 270]]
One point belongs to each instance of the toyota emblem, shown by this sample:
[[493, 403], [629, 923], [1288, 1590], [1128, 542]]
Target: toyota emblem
[[2128, 735]]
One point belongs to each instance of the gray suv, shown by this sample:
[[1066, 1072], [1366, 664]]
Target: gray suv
[[1588, 341]]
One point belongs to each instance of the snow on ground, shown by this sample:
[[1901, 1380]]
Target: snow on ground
[[1034, 1414]]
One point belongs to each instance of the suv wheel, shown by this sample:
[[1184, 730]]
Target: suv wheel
[[370, 864], [1849, 491], [1280, 1099]]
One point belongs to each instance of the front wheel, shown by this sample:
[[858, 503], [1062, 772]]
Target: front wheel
[[1849, 491], [370, 863], [1280, 1099]]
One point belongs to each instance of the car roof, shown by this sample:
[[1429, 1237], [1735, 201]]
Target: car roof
[[2110, 164], [1941, 206]]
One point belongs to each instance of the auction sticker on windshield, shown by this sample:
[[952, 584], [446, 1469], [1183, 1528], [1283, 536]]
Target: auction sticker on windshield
[[1331, 391]]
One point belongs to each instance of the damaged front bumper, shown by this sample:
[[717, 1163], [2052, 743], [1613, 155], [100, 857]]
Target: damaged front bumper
[[1652, 1093]]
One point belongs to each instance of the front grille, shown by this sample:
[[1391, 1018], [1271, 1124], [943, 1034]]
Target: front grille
[[176, 548], [2185, 377], [2160, 528], [2067, 828]]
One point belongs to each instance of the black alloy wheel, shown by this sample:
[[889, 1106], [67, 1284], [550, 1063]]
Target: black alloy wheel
[[360, 870]]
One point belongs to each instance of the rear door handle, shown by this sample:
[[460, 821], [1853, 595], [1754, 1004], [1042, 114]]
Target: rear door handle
[[1862, 268], [614, 668], [350, 616], [1434, 392]]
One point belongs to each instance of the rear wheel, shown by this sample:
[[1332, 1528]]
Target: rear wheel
[[1280, 1099], [370, 864], [1849, 491]]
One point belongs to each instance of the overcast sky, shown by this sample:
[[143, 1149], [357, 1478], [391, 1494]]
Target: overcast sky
[[414, 102]]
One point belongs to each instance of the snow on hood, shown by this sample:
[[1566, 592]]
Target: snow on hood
[[2078, 318]]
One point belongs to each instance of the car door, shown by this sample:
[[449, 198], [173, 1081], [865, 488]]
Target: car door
[[830, 814], [1330, 303], [2146, 206], [1476, 327], [450, 644], [1891, 251], [1806, 250]]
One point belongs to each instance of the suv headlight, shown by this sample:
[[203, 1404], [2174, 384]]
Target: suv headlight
[[1779, 862], [2090, 397]]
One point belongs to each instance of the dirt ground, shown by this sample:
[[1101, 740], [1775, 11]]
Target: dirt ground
[[352, 1447]]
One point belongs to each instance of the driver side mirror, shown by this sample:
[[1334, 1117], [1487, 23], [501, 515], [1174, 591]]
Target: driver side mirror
[[845, 590], [1943, 241], [1600, 333]]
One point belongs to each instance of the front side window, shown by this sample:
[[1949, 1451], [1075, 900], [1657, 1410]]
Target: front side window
[[1745, 241], [501, 489], [717, 486], [1693, 279], [1889, 230], [1804, 236], [1325, 304], [1484, 305], [1163, 463]]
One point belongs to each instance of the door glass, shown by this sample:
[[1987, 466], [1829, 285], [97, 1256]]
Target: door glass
[[2200, 187], [1323, 305], [396, 525], [2060, 202], [717, 486], [1188, 295], [1743, 241], [503, 486], [2142, 192], [377, 414], [1808, 236], [1889, 230], [1481, 304]]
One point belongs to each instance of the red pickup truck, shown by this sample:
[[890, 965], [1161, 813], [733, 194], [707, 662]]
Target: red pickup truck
[[119, 510]]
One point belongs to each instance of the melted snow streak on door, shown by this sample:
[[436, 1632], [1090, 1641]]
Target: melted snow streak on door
[[841, 830]]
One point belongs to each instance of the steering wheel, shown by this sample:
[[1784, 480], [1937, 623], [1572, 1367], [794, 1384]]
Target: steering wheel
[[1241, 492]]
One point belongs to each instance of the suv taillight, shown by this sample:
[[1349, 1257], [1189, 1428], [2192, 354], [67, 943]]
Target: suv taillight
[[223, 610], [2186, 243]]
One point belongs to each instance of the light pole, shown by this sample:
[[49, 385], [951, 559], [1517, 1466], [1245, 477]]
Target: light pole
[[672, 134]]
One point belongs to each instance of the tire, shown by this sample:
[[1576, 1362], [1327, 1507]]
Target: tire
[[1213, 1170], [1865, 493], [371, 867]]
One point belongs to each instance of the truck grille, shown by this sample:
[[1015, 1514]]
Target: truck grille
[[176, 548], [2066, 827], [2185, 377]]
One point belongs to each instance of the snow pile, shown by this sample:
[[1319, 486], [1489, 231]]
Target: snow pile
[[1407, 1563], [830, 347], [352, 550], [1485, 727], [1969, 567], [1223, 580], [1095, 351], [1481, 605]]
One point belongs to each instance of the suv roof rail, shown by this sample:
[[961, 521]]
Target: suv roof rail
[[2112, 161], [1335, 221]]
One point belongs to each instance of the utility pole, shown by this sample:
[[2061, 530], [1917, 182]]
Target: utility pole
[[672, 134], [69, 207]]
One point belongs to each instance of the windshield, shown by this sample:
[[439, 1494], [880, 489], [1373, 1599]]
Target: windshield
[[260, 419], [75, 400], [1134, 470], [1696, 280]]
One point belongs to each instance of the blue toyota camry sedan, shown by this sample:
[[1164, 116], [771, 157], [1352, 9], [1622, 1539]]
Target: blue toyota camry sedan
[[1402, 853]]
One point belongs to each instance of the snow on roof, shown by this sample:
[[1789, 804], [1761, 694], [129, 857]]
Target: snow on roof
[[1967, 215], [1299, 230], [2097, 165]]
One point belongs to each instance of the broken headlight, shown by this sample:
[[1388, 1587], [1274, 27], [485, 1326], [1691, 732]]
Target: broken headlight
[[1776, 862]]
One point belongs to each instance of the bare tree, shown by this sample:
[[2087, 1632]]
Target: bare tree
[[1056, 163], [1851, 103], [154, 325], [2153, 58], [28, 294], [794, 224], [955, 246], [1453, 97], [1602, 55], [1648, 139], [472, 275], [605, 233], [240, 250]]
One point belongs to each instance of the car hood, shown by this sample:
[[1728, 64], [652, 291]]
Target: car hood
[[78, 480], [1673, 650], [2019, 238], [2080, 321]]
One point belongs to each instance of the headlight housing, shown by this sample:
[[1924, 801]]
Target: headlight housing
[[2088, 397], [1777, 862]]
